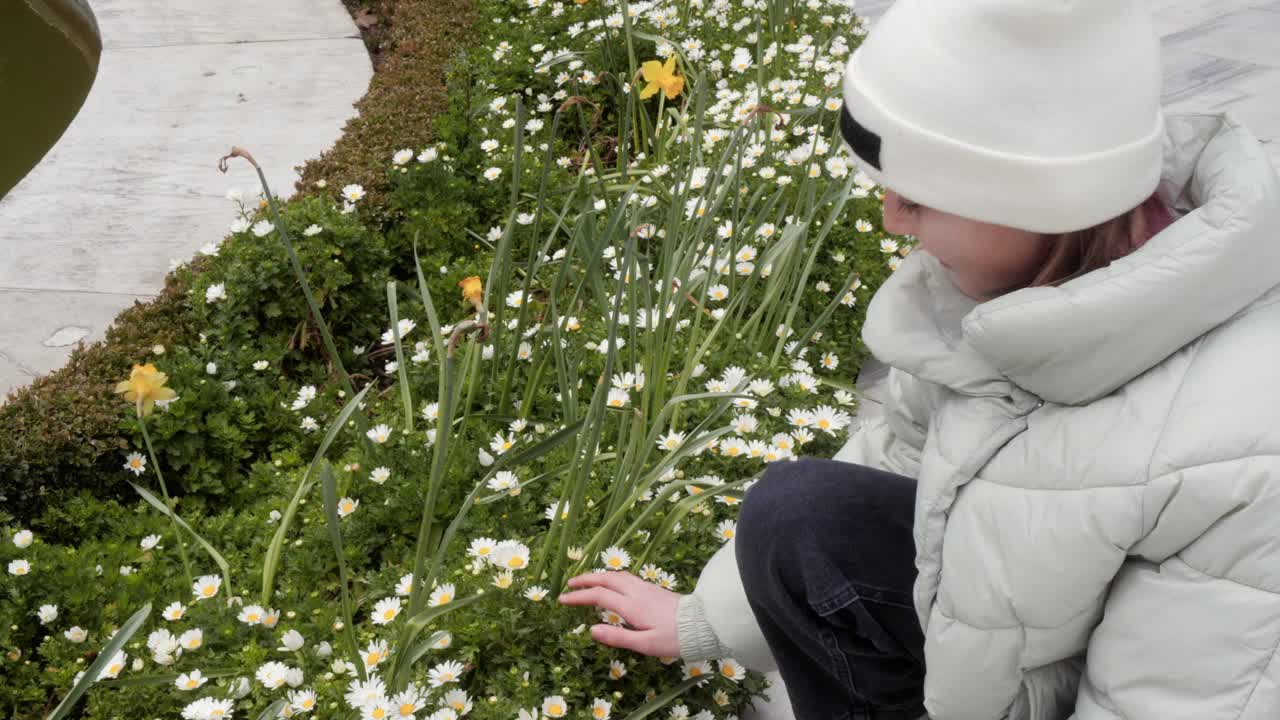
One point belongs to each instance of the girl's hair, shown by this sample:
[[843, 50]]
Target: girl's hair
[[1075, 253]]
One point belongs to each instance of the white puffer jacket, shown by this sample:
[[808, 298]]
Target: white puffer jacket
[[1097, 523]]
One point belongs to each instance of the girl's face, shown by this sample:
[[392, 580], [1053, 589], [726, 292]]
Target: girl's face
[[984, 260]]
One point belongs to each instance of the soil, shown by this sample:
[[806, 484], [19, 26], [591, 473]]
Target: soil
[[374, 18]]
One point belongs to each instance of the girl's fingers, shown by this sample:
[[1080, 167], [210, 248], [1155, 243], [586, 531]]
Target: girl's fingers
[[636, 640], [605, 598]]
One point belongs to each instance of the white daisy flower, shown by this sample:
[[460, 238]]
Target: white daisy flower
[[309, 424], [312, 230], [214, 293], [379, 433], [206, 586], [617, 669], [151, 542], [536, 593], [374, 654], [135, 463], [618, 397], [445, 672], [346, 506], [380, 475], [830, 361], [600, 709], [405, 586], [442, 595], [402, 156], [510, 555], [272, 674], [500, 444], [732, 669], [252, 614], [615, 558], [554, 706], [829, 419], [192, 639], [726, 530], [23, 538], [47, 614], [306, 394], [190, 681], [75, 634], [292, 641], [302, 700], [458, 701], [353, 193], [482, 547], [114, 665], [386, 610], [671, 441]]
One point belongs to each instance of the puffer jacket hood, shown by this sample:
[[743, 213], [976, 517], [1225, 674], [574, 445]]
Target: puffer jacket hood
[[1098, 467]]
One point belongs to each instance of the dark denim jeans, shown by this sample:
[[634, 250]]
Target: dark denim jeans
[[827, 560]]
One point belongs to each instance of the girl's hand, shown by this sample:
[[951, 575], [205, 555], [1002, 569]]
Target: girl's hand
[[649, 609]]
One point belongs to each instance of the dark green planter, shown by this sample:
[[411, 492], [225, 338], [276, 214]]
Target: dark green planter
[[49, 51]]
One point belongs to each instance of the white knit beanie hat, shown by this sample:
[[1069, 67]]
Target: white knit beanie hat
[[1042, 115]]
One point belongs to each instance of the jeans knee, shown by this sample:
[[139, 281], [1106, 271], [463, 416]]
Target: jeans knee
[[772, 505]]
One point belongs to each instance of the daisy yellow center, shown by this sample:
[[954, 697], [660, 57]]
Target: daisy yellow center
[[308, 703], [406, 709], [506, 444], [732, 451], [388, 614], [616, 402], [114, 667], [484, 551], [136, 462], [208, 590], [599, 712], [444, 598], [253, 617], [191, 683], [446, 676], [728, 672], [379, 712], [193, 644], [615, 562], [457, 705], [218, 712], [695, 672], [374, 657], [516, 562], [615, 673], [556, 710], [696, 490], [22, 570], [346, 507], [824, 423]]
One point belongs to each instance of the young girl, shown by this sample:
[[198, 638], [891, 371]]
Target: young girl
[[1071, 507]]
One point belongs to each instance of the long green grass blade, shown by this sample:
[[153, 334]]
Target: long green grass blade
[[90, 676]]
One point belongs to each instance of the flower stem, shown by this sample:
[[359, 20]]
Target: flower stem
[[177, 534]]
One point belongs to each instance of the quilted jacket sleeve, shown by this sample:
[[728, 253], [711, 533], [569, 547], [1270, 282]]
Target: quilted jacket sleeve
[[714, 620], [1025, 575]]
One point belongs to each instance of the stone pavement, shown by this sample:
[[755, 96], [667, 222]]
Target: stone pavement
[[134, 181]]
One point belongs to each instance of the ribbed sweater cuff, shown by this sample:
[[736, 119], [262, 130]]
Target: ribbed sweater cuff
[[697, 638]]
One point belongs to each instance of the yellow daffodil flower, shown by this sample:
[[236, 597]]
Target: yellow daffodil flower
[[472, 289], [661, 77], [145, 386]]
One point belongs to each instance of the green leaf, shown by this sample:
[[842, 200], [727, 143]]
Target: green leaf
[[159, 505], [655, 704], [335, 535], [90, 676], [272, 561]]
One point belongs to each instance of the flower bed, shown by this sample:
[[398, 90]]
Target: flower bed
[[622, 285]]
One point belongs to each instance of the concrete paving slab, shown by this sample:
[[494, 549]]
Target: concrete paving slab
[[155, 23], [134, 181], [41, 328]]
